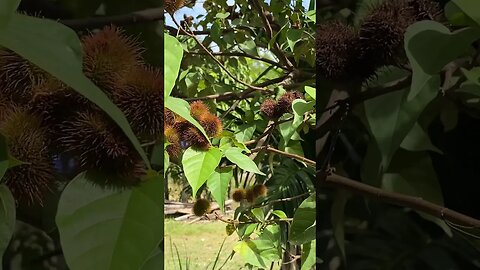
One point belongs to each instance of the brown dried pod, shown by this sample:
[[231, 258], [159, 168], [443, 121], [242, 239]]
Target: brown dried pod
[[239, 194], [212, 125], [260, 190], [17, 75], [102, 148], [27, 141], [201, 207], [109, 56], [198, 109], [173, 138], [173, 5], [270, 109], [141, 100], [286, 100], [335, 50]]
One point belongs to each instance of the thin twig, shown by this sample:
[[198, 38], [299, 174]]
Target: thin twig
[[215, 59], [239, 54], [416, 203], [290, 155], [141, 16]]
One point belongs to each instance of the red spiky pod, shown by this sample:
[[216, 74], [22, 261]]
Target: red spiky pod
[[198, 109], [212, 125], [193, 137], [168, 117], [250, 195], [239, 194], [27, 142], [260, 190], [17, 76], [382, 33], [103, 149], [286, 100], [141, 100], [171, 136], [173, 5], [335, 50], [55, 102], [270, 109], [425, 9], [201, 207], [109, 56]]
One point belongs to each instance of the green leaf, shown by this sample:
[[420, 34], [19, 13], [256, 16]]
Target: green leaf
[[312, 15], [300, 107], [311, 92], [7, 9], [293, 36], [259, 253], [218, 183], [7, 219], [258, 214], [389, 125], [430, 46], [4, 156], [58, 50], [279, 214], [417, 140], [182, 108], [155, 261], [173, 53], [106, 229], [245, 132], [455, 15], [236, 156], [470, 8], [337, 217], [221, 15], [199, 165], [308, 255], [304, 222]]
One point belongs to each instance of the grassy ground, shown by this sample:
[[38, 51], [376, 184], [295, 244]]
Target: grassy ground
[[198, 243]]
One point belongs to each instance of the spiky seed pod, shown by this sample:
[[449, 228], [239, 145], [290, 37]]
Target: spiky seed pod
[[425, 9], [141, 100], [173, 5], [270, 109], [27, 142], [110, 55], [193, 137], [250, 195], [212, 125], [239, 194], [382, 33], [17, 76], [55, 102], [335, 50], [102, 148], [260, 190], [198, 109], [201, 207], [286, 100], [168, 117], [172, 137]]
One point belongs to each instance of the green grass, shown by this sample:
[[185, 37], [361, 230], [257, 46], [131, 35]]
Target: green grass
[[197, 245]]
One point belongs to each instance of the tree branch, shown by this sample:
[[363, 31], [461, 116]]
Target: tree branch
[[416, 203], [240, 95], [276, 49], [276, 151], [214, 58], [141, 16], [271, 62]]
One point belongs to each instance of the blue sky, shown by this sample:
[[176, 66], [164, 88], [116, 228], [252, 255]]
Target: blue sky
[[198, 9]]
